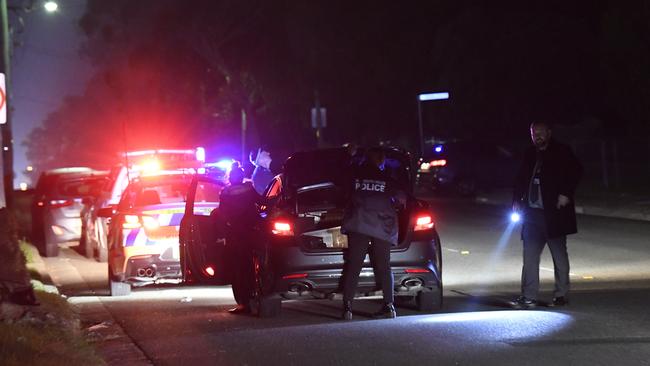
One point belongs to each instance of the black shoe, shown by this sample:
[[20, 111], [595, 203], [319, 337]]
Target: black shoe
[[559, 301], [387, 311], [240, 309], [522, 302], [347, 311]]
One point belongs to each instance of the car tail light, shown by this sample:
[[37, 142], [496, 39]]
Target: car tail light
[[423, 222], [417, 270], [439, 162], [150, 222], [57, 230], [40, 204], [294, 276], [60, 203], [282, 228], [131, 222], [209, 270]]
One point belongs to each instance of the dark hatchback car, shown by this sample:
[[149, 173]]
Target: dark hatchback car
[[466, 167], [300, 249]]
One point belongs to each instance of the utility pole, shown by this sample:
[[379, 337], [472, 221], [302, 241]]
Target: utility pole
[[243, 137], [7, 138]]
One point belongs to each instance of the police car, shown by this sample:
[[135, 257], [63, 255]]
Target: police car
[[143, 231], [300, 249], [94, 228]]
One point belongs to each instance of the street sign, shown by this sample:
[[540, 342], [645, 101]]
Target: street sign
[[319, 120], [3, 100]]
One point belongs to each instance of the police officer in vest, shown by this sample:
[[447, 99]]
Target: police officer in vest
[[371, 224]]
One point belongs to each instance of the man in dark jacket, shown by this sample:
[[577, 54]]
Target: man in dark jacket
[[238, 208], [371, 224], [544, 191]]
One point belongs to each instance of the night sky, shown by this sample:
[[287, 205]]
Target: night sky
[[46, 67], [580, 64]]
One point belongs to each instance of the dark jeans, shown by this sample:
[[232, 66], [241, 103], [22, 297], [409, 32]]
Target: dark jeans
[[379, 250], [535, 238], [240, 255]]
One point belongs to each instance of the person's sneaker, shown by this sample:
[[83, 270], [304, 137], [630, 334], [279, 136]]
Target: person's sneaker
[[522, 302], [387, 311], [559, 301]]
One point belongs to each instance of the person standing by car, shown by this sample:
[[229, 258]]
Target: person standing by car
[[262, 174], [371, 224], [237, 207], [544, 191]]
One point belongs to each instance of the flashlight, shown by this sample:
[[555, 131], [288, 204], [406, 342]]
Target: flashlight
[[515, 217]]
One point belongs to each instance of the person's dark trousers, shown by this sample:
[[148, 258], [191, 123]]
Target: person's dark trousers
[[379, 250], [242, 269], [535, 238]]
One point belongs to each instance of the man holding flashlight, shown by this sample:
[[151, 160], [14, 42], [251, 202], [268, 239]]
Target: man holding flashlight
[[544, 194]]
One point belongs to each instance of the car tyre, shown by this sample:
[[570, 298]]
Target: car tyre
[[264, 303], [102, 251], [51, 250], [117, 288]]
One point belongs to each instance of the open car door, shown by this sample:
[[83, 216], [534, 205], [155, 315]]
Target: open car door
[[202, 235]]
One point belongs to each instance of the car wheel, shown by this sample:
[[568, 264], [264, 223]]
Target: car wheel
[[102, 248], [117, 288], [264, 303], [51, 250], [87, 244]]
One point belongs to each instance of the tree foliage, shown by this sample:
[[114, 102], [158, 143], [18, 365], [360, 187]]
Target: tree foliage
[[178, 73]]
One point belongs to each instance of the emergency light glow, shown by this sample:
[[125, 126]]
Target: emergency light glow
[[438, 149], [224, 164], [515, 217], [200, 154]]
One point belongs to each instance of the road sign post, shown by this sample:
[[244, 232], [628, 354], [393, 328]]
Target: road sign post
[[424, 97]]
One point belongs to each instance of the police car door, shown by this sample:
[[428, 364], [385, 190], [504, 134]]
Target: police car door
[[202, 238]]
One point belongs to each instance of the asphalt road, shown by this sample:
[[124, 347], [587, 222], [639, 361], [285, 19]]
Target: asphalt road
[[607, 322]]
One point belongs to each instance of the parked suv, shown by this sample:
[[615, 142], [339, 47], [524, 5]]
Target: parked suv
[[299, 253], [57, 204]]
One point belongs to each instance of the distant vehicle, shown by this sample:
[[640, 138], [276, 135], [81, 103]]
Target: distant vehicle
[[466, 167], [300, 249], [140, 162], [143, 230], [57, 205]]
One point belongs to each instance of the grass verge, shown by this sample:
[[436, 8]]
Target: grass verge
[[48, 334]]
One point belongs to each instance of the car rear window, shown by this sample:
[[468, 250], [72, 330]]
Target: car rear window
[[79, 187], [163, 190]]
